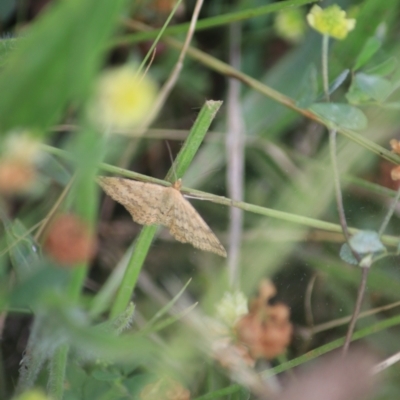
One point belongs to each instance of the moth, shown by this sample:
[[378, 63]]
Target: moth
[[152, 204]]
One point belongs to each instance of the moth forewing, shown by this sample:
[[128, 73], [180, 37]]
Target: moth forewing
[[152, 204]]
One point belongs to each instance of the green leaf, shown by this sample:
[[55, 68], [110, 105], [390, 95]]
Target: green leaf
[[370, 47], [7, 45], [391, 106], [56, 171], [374, 86], [347, 255], [356, 95], [55, 62], [167, 321], [179, 167], [24, 251], [137, 383], [365, 242], [106, 374], [338, 81], [167, 307], [35, 288], [308, 88], [384, 68], [340, 114]]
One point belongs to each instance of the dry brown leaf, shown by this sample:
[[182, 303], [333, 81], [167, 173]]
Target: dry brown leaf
[[151, 204]]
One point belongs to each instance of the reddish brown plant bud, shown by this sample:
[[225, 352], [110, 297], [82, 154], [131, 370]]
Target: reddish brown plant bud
[[69, 240]]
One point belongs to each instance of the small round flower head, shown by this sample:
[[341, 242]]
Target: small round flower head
[[330, 21], [232, 307], [290, 25], [122, 98]]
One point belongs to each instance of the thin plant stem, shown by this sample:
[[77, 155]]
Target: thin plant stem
[[339, 201], [173, 78], [253, 208], [235, 158], [307, 301], [386, 363], [159, 34], [336, 181], [325, 74], [357, 308], [57, 372], [344, 320]]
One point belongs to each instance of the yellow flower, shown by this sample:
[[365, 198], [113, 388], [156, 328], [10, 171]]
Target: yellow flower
[[290, 25], [122, 98], [331, 21]]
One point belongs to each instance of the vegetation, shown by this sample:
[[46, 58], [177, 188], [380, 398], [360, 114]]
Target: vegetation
[[292, 162]]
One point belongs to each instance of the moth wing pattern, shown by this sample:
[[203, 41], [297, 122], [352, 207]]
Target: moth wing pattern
[[144, 201], [151, 204], [187, 226]]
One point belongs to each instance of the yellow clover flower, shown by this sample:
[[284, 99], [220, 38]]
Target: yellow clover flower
[[331, 21], [290, 25], [122, 99]]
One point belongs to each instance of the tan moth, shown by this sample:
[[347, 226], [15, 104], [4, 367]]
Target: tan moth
[[152, 204]]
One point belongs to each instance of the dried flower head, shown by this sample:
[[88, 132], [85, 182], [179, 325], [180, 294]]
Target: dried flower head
[[331, 21], [69, 240], [266, 330], [122, 99], [290, 25], [165, 389]]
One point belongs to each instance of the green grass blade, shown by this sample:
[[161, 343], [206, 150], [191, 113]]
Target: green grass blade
[[146, 236]]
